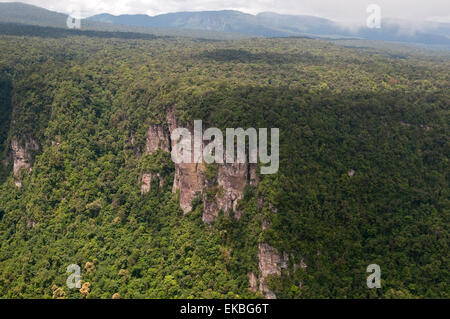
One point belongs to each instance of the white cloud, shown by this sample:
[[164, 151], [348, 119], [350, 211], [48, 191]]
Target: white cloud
[[347, 11]]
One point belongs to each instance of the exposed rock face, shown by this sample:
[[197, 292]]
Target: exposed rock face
[[171, 118], [271, 262], [253, 282], [265, 225], [157, 138], [190, 178], [18, 183], [190, 181], [147, 182], [231, 180], [253, 175], [21, 155]]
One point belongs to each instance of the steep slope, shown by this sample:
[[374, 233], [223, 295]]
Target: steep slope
[[17, 12]]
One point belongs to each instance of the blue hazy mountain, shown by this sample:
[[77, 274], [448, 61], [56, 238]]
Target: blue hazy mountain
[[264, 24], [270, 24]]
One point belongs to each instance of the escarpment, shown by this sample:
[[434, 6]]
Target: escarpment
[[223, 193], [220, 186], [231, 182], [189, 178]]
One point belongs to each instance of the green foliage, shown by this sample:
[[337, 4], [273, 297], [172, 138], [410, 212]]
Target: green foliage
[[88, 102]]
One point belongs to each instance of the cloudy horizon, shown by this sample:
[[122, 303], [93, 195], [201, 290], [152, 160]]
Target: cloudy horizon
[[351, 12]]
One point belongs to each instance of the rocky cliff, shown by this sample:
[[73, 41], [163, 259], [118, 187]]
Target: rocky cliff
[[271, 262], [190, 178], [231, 180], [21, 156], [157, 139], [222, 192]]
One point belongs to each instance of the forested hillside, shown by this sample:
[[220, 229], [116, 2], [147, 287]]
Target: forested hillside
[[363, 179]]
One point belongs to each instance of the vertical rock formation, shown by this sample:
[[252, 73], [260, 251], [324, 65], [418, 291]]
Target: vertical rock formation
[[190, 181], [189, 178], [231, 182], [146, 182], [253, 282], [171, 118], [21, 155], [232, 179], [157, 138], [271, 262]]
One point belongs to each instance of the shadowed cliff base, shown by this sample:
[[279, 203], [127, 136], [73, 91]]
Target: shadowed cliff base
[[5, 119]]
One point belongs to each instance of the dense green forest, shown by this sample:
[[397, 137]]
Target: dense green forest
[[88, 101]]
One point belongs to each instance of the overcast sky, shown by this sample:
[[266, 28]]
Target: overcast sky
[[349, 11]]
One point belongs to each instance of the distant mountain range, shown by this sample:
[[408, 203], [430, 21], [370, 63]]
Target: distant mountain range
[[263, 24], [270, 24], [234, 24]]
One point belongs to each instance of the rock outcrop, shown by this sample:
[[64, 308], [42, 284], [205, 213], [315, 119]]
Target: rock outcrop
[[253, 281], [271, 262], [21, 155], [190, 181], [190, 178], [171, 118], [231, 182], [157, 138], [146, 181]]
